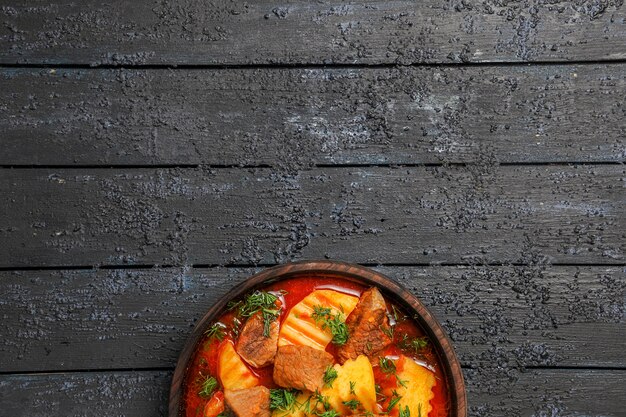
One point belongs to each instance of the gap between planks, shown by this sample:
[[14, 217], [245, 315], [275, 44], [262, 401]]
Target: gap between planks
[[253, 266], [266, 166], [311, 65]]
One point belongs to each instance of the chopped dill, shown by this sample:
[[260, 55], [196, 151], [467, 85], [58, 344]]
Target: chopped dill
[[380, 397], [402, 382], [387, 365], [393, 401], [208, 386], [407, 413], [329, 376], [397, 315], [283, 399], [328, 413], [352, 404], [415, 344], [388, 330], [321, 400], [262, 301], [352, 385], [216, 331], [335, 322]]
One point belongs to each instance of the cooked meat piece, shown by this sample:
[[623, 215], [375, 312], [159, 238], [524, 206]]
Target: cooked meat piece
[[301, 367], [249, 402], [253, 346], [367, 327]]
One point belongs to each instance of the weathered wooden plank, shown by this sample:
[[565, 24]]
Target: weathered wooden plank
[[297, 117], [85, 394], [548, 392], [110, 319], [119, 32], [370, 215]]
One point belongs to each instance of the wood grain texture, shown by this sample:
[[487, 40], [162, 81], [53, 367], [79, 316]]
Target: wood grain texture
[[548, 392], [453, 214], [500, 319], [298, 117], [85, 394], [365, 32]]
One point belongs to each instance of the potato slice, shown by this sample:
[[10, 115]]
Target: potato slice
[[418, 391], [299, 328], [358, 371], [233, 372]]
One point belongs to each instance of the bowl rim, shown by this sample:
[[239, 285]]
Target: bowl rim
[[391, 290]]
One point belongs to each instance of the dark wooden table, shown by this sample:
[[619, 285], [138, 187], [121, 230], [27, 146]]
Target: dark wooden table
[[155, 153]]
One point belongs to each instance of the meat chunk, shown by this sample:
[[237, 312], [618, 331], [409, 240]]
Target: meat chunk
[[368, 327], [301, 367], [249, 402], [253, 346]]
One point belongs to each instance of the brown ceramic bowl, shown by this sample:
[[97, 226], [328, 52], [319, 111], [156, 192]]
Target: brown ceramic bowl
[[390, 289]]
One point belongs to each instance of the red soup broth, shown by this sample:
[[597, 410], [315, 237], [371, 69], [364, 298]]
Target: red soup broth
[[205, 359]]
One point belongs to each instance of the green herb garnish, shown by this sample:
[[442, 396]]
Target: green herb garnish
[[387, 365], [352, 404], [397, 315], [415, 344], [336, 323], [283, 399], [407, 413], [216, 331], [320, 312], [352, 385], [380, 397], [402, 382], [321, 399], [306, 406], [328, 413], [208, 386], [393, 401], [388, 330], [262, 301], [329, 376]]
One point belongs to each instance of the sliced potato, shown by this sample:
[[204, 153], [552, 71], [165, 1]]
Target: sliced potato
[[299, 328], [233, 372], [419, 383], [359, 372]]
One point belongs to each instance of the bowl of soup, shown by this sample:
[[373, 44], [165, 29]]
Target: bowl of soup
[[318, 339]]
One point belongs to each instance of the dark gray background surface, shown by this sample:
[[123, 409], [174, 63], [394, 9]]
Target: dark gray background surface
[[154, 153]]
